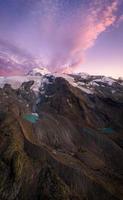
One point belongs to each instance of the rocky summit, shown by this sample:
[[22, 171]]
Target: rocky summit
[[61, 137]]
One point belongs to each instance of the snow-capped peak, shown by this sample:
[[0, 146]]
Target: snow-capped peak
[[83, 75], [39, 71]]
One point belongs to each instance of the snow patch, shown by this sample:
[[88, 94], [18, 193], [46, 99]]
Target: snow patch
[[39, 71], [16, 82], [104, 79], [71, 80]]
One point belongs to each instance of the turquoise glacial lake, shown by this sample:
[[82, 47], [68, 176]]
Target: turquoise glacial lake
[[31, 118]]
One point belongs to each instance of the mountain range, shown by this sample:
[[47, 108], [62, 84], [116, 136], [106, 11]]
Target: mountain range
[[61, 136]]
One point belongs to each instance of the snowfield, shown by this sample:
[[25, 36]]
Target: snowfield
[[40, 76]]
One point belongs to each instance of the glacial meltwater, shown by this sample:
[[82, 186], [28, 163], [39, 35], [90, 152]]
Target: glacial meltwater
[[107, 130], [33, 117]]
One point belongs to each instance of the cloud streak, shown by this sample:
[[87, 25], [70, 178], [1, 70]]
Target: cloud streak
[[97, 21], [59, 32], [66, 38]]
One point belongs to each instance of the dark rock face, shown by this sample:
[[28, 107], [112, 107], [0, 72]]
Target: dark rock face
[[66, 154]]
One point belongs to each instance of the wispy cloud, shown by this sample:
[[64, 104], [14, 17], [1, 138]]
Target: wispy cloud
[[61, 31], [66, 38], [98, 19]]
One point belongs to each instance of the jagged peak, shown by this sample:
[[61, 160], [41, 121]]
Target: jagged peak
[[39, 71]]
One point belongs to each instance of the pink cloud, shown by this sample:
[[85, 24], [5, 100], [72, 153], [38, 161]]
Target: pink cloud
[[98, 20], [65, 39]]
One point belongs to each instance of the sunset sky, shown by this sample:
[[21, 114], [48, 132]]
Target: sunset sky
[[83, 35]]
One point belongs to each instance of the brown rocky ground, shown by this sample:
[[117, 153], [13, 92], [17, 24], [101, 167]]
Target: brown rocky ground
[[65, 155]]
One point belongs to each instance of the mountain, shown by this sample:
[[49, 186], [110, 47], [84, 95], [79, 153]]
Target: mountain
[[39, 71], [61, 137]]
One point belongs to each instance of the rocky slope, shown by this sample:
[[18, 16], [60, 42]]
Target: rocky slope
[[61, 137]]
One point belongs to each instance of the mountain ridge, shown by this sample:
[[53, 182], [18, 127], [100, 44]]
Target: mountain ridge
[[58, 140]]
